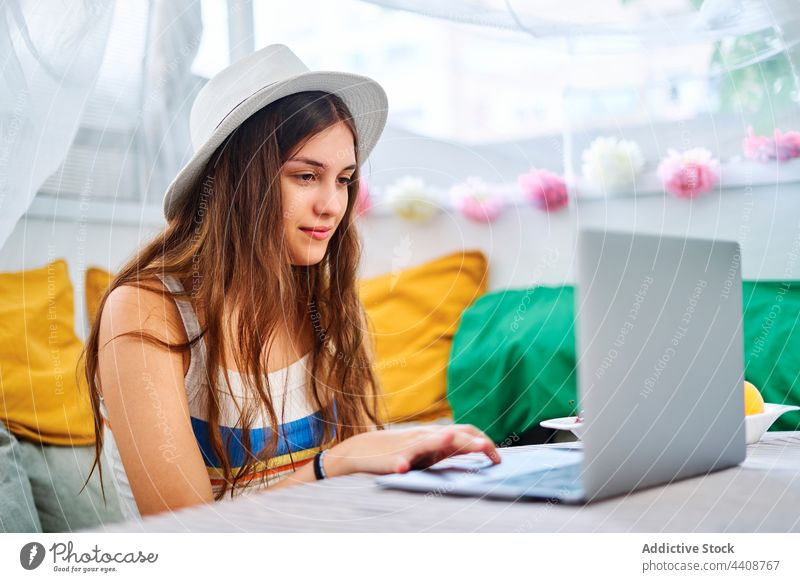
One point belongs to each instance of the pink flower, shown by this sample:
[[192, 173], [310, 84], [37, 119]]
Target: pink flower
[[781, 146], [544, 189], [476, 200], [689, 173], [787, 145], [758, 147], [364, 200]]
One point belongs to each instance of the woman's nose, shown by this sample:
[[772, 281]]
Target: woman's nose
[[332, 199]]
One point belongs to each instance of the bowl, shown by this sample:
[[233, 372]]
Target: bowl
[[755, 424]]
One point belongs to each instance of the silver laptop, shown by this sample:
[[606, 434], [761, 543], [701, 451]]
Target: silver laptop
[[660, 377]]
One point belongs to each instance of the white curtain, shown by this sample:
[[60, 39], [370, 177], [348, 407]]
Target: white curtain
[[176, 29], [628, 25], [50, 55]]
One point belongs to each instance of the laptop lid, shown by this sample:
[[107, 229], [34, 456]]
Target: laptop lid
[[661, 359]]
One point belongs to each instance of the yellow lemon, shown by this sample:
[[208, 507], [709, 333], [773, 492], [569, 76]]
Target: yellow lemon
[[753, 402]]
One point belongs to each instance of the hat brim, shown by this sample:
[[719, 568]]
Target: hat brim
[[365, 99]]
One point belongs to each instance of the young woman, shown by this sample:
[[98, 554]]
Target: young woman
[[231, 352]]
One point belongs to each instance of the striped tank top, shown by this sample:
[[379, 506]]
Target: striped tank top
[[299, 434]]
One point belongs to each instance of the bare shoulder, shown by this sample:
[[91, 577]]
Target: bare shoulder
[[143, 386], [147, 307]]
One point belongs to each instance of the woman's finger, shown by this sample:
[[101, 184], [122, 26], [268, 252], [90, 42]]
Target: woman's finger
[[401, 465], [490, 449], [473, 430], [428, 449], [466, 443]]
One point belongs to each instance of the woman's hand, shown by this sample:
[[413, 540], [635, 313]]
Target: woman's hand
[[398, 451]]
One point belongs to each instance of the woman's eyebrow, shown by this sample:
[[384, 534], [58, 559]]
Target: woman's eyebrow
[[317, 164]]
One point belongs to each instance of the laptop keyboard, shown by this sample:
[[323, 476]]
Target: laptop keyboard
[[566, 478], [558, 475], [544, 474]]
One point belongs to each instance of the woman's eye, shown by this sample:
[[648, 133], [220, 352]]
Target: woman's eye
[[344, 181], [305, 178]]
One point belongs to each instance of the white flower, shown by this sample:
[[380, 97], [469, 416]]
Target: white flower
[[411, 200], [611, 164]]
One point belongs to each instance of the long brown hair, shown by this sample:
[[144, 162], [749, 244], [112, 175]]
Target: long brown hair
[[228, 240]]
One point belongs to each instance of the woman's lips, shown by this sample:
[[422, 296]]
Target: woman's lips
[[317, 233]]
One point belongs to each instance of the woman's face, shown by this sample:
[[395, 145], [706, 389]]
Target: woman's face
[[314, 188]]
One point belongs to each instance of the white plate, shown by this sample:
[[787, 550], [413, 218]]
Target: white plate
[[565, 423], [755, 424]]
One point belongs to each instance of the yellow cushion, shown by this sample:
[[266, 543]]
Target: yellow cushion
[[413, 316], [42, 400], [96, 282]]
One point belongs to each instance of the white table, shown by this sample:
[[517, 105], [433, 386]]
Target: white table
[[761, 495]]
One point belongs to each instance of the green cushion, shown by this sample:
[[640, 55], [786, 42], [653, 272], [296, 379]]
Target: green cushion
[[512, 363], [513, 360], [772, 344]]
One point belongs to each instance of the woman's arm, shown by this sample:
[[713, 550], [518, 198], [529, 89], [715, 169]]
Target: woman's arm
[[396, 451], [146, 400]]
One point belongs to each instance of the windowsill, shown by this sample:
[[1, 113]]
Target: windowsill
[[732, 175]]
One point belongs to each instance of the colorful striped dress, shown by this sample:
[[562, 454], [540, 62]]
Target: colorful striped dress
[[299, 434]]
